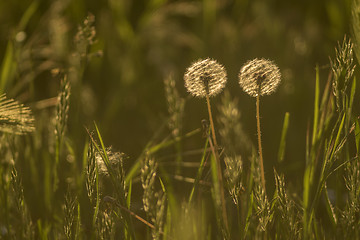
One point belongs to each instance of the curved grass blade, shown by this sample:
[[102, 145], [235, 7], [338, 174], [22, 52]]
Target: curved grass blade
[[151, 150]]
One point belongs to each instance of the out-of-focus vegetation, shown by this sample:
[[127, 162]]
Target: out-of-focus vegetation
[[121, 63], [144, 41]]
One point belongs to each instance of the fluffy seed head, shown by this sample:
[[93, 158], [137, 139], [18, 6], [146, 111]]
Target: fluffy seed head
[[259, 76], [205, 76]]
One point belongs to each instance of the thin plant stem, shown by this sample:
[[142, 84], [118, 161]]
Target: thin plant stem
[[259, 140], [211, 120], [217, 158]]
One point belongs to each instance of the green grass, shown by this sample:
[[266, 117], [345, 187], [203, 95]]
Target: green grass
[[62, 177]]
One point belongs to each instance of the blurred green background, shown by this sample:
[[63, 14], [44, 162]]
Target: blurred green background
[[143, 42]]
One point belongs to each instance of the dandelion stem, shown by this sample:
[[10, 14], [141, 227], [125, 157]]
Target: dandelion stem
[[259, 140], [211, 121], [217, 157]]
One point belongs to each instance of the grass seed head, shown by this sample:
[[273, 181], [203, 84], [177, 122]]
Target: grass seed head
[[205, 77], [259, 76], [15, 118], [343, 68]]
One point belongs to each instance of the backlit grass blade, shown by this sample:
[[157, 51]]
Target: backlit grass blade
[[103, 152], [97, 204], [249, 214], [352, 94], [316, 106], [9, 64], [30, 11], [105, 156], [282, 146], [200, 170], [168, 189], [357, 135], [165, 144], [128, 198], [7, 67], [324, 109], [337, 139], [330, 209], [216, 186], [78, 223], [310, 162]]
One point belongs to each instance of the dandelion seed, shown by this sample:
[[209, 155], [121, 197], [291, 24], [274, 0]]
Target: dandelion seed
[[205, 77], [259, 76]]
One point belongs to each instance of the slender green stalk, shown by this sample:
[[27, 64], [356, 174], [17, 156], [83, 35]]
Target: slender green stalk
[[200, 170], [217, 157], [259, 141]]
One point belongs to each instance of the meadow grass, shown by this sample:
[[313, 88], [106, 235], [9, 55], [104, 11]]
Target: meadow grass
[[57, 182]]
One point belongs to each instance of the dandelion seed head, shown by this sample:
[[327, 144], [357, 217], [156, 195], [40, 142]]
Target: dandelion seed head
[[259, 76], [205, 76]]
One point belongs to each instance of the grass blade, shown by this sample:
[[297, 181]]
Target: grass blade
[[151, 150], [337, 139], [352, 94], [200, 170], [357, 135], [8, 67], [316, 105], [330, 209], [282, 146], [97, 205], [128, 198], [30, 11]]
